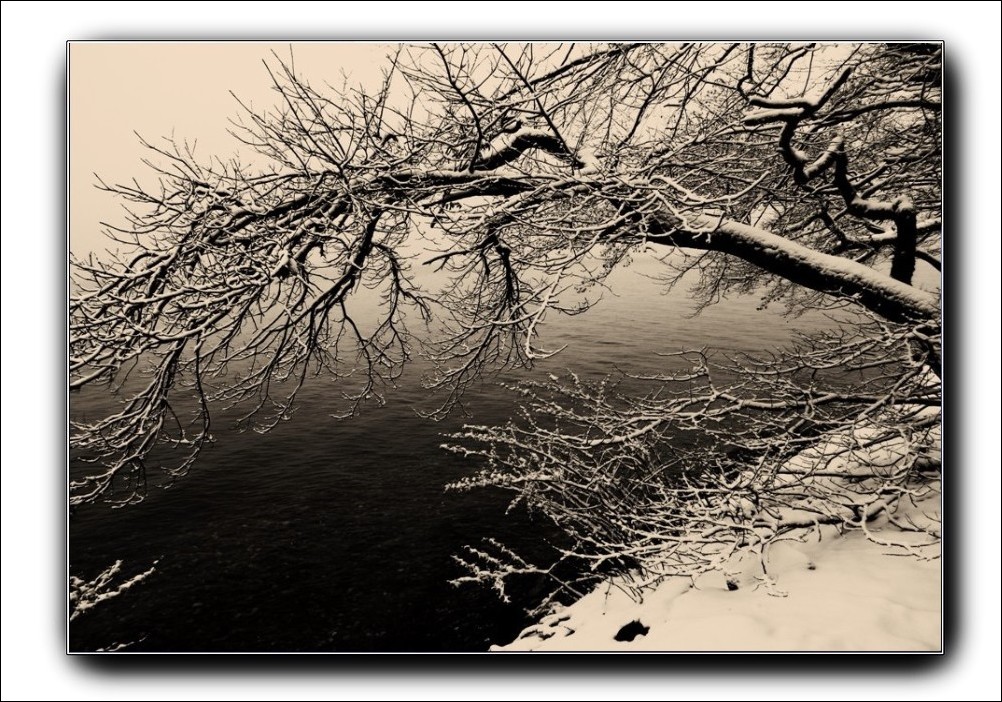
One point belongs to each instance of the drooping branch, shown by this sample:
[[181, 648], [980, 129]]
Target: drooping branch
[[636, 500], [891, 298], [524, 187]]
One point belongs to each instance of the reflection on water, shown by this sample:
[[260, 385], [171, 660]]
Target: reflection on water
[[327, 535]]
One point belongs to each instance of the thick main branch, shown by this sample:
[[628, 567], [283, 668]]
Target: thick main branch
[[892, 299]]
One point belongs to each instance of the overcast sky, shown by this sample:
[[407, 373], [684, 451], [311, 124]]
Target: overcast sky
[[119, 89]]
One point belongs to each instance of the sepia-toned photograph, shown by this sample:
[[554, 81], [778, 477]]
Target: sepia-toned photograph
[[501, 347]]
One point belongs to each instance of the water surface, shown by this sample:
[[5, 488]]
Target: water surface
[[328, 535]]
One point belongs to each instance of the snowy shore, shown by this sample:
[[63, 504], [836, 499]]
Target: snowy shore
[[831, 593], [876, 586]]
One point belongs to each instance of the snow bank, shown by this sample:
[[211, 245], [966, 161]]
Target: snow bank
[[819, 588], [823, 593]]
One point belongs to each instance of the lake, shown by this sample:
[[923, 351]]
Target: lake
[[329, 535]]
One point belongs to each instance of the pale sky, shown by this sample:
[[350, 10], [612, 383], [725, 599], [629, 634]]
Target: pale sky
[[179, 88], [117, 89]]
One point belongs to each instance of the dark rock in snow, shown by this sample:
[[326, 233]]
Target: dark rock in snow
[[632, 631]]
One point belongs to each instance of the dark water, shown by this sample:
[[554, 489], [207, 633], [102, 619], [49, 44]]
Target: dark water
[[328, 535]]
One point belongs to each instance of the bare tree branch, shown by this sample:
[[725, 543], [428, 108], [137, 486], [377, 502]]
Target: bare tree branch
[[521, 176]]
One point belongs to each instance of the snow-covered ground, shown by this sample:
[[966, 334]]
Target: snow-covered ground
[[820, 588], [828, 592]]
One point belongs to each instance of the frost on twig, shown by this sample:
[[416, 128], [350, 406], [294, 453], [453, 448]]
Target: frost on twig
[[722, 459], [475, 193], [110, 583]]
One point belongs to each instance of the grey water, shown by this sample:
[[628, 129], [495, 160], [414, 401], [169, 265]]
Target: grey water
[[328, 535]]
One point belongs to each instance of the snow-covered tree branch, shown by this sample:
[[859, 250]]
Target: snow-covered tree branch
[[480, 190]]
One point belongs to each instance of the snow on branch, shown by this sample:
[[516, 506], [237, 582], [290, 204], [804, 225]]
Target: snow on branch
[[525, 177], [792, 113], [87, 594], [805, 266], [648, 504], [510, 146]]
